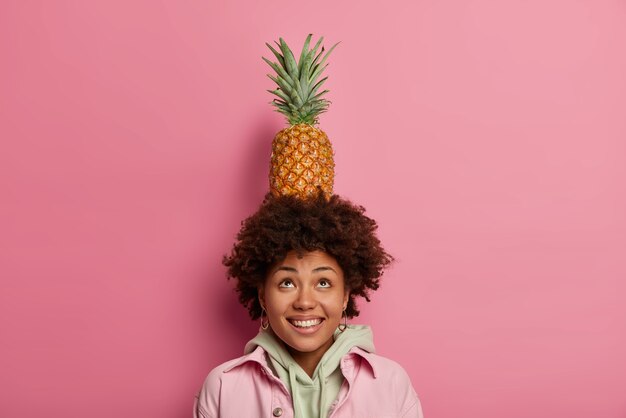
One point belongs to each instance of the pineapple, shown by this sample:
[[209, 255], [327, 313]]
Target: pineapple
[[302, 156]]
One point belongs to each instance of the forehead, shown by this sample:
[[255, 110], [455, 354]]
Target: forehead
[[310, 256], [303, 261]]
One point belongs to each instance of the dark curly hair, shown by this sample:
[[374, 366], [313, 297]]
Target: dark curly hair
[[283, 224]]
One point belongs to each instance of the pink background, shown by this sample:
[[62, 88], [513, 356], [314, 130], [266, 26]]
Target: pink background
[[486, 137]]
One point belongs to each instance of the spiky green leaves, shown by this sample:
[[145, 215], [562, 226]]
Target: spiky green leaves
[[298, 83]]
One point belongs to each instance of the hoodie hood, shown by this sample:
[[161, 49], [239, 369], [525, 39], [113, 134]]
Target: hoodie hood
[[312, 395]]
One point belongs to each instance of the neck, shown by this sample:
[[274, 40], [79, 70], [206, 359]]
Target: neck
[[308, 361]]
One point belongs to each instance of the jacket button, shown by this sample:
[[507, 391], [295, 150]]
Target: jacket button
[[277, 412]]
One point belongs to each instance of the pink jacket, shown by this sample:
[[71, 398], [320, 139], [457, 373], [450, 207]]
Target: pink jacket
[[374, 387]]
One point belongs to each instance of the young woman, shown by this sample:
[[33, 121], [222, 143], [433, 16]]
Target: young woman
[[299, 265]]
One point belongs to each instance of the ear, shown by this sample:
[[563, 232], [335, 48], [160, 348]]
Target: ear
[[346, 298]]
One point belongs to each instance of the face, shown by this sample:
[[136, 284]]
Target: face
[[304, 296]]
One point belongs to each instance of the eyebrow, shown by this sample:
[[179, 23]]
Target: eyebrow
[[294, 270]]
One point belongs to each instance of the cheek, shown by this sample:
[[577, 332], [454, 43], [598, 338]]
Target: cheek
[[334, 304], [276, 302]]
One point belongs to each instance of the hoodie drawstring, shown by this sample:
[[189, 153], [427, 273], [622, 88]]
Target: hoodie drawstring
[[322, 376], [294, 389]]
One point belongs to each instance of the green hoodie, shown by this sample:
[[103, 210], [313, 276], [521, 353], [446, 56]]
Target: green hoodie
[[312, 394]]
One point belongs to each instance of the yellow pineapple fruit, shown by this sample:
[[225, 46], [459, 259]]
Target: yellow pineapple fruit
[[302, 156]]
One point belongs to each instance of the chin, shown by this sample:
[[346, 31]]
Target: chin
[[308, 344]]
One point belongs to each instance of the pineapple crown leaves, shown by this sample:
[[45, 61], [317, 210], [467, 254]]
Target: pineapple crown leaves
[[299, 81]]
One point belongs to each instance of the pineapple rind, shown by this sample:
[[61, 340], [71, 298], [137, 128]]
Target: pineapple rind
[[301, 162]]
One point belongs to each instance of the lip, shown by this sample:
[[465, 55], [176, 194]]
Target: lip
[[303, 317], [308, 330]]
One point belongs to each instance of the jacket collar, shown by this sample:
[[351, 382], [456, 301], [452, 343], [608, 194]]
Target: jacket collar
[[256, 356], [370, 359], [348, 362]]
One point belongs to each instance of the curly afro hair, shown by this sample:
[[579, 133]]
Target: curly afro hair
[[283, 224]]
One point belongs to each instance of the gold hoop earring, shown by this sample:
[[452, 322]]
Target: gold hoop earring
[[342, 327], [264, 324]]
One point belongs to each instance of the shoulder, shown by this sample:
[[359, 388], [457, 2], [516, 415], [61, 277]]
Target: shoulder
[[214, 378], [388, 380], [384, 368], [208, 398], [254, 360]]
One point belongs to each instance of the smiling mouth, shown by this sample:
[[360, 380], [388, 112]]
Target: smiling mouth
[[309, 323]]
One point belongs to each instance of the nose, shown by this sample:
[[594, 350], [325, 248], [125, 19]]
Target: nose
[[305, 300]]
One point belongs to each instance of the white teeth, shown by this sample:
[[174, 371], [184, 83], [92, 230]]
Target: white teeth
[[306, 324]]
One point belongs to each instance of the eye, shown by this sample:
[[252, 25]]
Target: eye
[[324, 283], [288, 283]]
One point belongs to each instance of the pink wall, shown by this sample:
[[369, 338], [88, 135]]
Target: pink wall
[[487, 138]]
